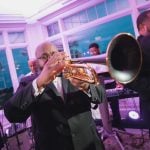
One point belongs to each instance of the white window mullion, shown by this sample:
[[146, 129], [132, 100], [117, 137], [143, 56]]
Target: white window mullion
[[11, 64]]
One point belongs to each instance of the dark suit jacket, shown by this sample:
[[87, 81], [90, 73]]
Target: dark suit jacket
[[59, 124], [142, 82]]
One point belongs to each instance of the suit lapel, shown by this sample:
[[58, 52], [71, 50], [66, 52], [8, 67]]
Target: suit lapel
[[52, 87], [64, 85], [67, 86]]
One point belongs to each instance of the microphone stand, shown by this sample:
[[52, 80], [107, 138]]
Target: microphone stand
[[3, 136], [16, 135]]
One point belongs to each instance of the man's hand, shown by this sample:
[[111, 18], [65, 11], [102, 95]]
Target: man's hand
[[82, 85], [52, 67]]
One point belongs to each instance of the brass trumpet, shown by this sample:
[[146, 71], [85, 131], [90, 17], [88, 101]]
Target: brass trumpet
[[123, 58], [80, 71]]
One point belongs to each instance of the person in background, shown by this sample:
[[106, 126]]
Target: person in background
[[32, 63], [114, 105], [142, 83], [60, 108], [94, 49], [103, 107], [33, 66], [107, 132]]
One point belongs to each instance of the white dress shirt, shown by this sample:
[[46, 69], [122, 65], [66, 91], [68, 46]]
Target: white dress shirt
[[57, 83]]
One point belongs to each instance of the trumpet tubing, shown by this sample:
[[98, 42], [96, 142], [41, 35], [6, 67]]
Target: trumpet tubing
[[123, 58], [81, 72]]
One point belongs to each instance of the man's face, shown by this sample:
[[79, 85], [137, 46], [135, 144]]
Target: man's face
[[43, 54], [33, 66], [94, 51], [145, 26], [147, 23]]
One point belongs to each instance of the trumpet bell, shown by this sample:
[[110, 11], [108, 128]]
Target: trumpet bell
[[124, 58]]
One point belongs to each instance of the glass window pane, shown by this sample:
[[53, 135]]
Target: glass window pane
[[1, 39], [75, 20], [20, 56], [101, 10], [101, 34], [5, 80], [75, 50], [91, 12], [16, 37], [56, 28], [142, 10], [141, 1], [122, 4], [6, 89], [53, 29], [111, 6], [58, 44], [68, 23], [83, 17], [50, 30]]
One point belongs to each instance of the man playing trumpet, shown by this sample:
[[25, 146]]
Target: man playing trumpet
[[60, 108]]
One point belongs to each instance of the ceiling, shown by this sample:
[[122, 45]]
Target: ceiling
[[27, 8]]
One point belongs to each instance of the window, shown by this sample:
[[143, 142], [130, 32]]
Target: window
[[5, 80], [122, 4], [68, 23], [111, 6], [83, 17], [141, 1], [53, 29], [20, 56], [6, 90], [75, 48], [58, 44], [1, 39], [16, 37], [101, 10], [75, 20], [91, 12], [101, 34]]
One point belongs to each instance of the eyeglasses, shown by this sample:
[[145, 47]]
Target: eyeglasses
[[46, 56]]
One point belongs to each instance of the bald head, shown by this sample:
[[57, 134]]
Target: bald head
[[33, 65], [45, 47], [43, 52]]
